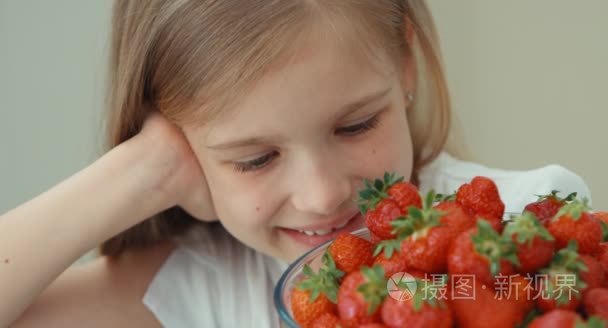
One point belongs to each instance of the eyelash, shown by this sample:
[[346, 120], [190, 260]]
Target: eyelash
[[349, 131]]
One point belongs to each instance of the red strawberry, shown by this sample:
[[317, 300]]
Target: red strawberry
[[455, 216], [573, 222], [381, 201], [306, 310], [423, 310], [483, 252], [602, 257], [351, 252], [595, 302], [483, 308], [373, 238], [326, 320], [406, 195], [481, 198], [378, 220], [557, 319], [562, 285], [594, 275], [425, 241], [372, 325], [360, 296], [535, 245], [316, 293], [602, 217], [547, 206], [393, 264]]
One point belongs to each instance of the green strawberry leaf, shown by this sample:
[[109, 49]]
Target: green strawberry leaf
[[488, 243], [526, 227], [325, 281], [374, 290], [574, 209]]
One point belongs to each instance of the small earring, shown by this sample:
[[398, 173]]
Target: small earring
[[410, 97]]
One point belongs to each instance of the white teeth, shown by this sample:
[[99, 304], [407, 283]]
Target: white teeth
[[316, 232], [342, 225], [323, 231]]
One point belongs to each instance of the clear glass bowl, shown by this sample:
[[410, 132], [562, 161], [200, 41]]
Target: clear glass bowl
[[282, 291], [293, 274]]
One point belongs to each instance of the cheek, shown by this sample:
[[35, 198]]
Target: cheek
[[239, 202], [389, 149]]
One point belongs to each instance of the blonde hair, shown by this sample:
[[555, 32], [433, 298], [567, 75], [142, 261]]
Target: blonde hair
[[179, 55]]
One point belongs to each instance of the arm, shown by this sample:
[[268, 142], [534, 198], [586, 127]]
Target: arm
[[42, 237]]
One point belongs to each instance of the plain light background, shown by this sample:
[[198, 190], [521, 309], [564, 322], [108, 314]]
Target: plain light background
[[528, 80]]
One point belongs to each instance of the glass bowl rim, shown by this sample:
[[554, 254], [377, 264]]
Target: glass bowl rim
[[279, 287]]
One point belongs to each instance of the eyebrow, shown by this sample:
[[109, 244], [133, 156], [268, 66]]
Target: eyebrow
[[343, 111]]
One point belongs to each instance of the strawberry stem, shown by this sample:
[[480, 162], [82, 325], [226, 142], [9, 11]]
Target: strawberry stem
[[375, 191], [489, 244], [526, 227], [325, 281], [374, 289], [574, 209]]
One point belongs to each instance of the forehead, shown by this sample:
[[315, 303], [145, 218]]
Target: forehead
[[319, 78]]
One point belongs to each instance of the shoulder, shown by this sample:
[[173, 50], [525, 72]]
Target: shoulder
[[517, 187], [102, 293], [213, 280]]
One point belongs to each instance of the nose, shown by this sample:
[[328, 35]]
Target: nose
[[322, 186]]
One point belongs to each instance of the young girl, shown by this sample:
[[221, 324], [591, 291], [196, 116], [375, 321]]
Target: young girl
[[240, 133]]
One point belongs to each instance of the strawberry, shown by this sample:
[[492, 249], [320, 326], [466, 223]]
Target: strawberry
[[573, 222], [373, 238], [425, 241], [483, 252], [595, 302], [557, 319], [360, 296], [381, 201], [562, 285], [594, 275], [481, 198], [602, 257], [423, 310], [602, 217], [535, 245], [485, 309], [316, 293], [547, 206], [305, 309], [326, 320], [406, 195], [378, 220], [454, 215], [372, 325], [351, 252], [392, 263]]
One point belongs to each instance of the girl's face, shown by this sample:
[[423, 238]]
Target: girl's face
[[288, 161]]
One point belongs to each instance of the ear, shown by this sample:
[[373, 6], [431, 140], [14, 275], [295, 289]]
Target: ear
[[410, 73]]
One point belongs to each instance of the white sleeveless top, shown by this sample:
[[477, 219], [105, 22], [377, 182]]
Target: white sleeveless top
[[212, 280]]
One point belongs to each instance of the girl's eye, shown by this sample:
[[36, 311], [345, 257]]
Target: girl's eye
[[351, 130], [359, 128], [255, 164]]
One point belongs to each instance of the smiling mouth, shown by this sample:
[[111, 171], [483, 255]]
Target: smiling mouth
[[326, 231]]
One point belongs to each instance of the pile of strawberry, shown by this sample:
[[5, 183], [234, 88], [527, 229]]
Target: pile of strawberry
[[437, 239]]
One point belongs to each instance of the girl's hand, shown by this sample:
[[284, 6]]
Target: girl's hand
[[181, 179]]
